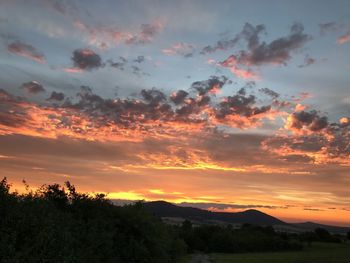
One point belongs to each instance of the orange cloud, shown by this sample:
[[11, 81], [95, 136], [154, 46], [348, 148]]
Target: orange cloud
[[343, 39], [313, 138], [155, 115], [183, 158]]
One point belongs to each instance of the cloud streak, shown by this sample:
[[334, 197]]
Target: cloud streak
[[25, 50]]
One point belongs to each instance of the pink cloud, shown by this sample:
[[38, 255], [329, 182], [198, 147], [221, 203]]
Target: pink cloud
[[232, 63], [169, 52], [107, 36], [343, 39], [73, 70], [211, 61], [183, 49]]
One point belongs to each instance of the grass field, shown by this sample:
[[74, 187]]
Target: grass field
[[317, 253]]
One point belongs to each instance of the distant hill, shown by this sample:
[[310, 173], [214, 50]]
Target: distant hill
[[168, 210], [310, 226], [165, 209]]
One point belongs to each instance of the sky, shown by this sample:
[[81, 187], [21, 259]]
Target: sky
[[223, 105]]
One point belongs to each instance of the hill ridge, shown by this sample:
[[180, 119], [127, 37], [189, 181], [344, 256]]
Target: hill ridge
[[163, 208]]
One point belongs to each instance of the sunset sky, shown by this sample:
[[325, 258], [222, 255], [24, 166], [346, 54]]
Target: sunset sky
[[223, 105]]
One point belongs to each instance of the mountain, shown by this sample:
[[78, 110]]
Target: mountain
[[165, 209]]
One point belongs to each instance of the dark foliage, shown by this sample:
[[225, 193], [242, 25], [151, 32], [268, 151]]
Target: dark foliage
[[320, 235], [226, 239], [56, 224]]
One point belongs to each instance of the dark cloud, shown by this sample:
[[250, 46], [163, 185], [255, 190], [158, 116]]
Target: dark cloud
[[276, 52], [124, 112], [251, 34], [178, 96], [139, 59], [240, 104], [212, 85], [119, 64], [269, 92], [136, 70], [309, 120], [153, 96], [307, 61], [122, 63], [313, 209], [204, 90], [146, 34], [189, 55], [220, 45], [57, 96], [86, 59], [26, 50], [189, 107], [123, 60], [33, 87], [259, 52], [223, 44], [154, 104], [329, 27]]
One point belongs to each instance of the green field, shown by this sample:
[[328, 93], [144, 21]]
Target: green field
[[318, 253]]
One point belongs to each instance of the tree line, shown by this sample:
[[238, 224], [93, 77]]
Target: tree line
[[58, 224]]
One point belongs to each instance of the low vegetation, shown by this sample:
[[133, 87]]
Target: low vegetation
[[318, 252], [225, 239]]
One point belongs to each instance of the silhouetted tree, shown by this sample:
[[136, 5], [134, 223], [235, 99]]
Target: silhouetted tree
[[57, 224]]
